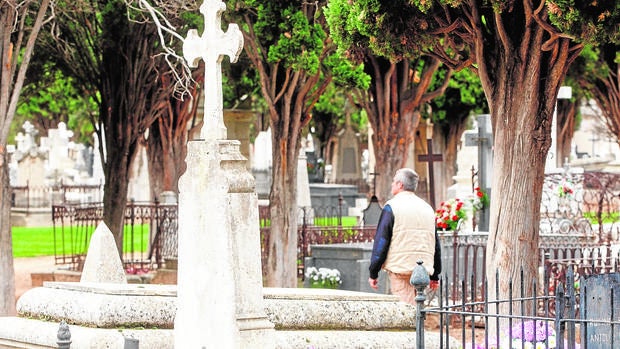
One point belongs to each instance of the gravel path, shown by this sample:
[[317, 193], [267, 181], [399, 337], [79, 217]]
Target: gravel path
[[25, 266]]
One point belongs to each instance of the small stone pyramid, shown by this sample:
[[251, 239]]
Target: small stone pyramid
[[103, 264]]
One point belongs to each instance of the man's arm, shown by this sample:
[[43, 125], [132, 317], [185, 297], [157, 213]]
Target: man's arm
[[383, 237]]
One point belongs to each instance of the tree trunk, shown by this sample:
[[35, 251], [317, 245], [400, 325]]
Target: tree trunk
[[392, 104], [7, 286], [524, 94], [282, 245], [16, 47], [168, 136], [130, 97], [115, 194]]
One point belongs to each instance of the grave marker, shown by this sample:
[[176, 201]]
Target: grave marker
[[484, 141], [219, 280], [211, 47], [600, 301], [430, 158]]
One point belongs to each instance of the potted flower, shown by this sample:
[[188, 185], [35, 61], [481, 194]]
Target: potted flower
[[323, 277]]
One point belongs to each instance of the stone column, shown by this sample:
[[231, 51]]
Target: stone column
[[220, 300]]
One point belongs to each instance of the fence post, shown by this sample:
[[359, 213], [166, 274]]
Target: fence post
[[420, 280], [340, 200], [63, 336]]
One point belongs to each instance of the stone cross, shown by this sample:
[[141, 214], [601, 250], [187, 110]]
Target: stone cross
[[430, 158], [211, 47]]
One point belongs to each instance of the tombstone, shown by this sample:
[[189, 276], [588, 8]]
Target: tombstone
[[352, 260], [238, 123], [58, 158], [484, 141], [261, 163], [600, 300], [372, 212], [304, 204], [139, 188], [552, 162], [315, 167], [223, 302], [346, 160], [430, 158], [97, 176]]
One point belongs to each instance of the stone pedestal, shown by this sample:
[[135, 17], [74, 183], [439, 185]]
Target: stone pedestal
[[219, 266], [352, 260]]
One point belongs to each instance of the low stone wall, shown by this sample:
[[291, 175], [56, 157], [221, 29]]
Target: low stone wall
[[102, 315]]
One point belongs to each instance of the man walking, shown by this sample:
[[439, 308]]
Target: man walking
[[405, 234]]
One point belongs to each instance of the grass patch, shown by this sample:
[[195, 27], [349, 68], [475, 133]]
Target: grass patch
[[39, 241], [608, 218], [33, 242]]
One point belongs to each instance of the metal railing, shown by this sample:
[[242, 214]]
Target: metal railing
[[527, 318], [149, 235]]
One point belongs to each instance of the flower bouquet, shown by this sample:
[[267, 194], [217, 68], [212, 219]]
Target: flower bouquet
[[480, 200], [565, 189], [449, 214], [323, 277]]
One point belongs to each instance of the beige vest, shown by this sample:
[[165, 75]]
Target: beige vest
[[413, 236]]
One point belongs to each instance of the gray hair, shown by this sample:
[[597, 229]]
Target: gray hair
[[408, 177]]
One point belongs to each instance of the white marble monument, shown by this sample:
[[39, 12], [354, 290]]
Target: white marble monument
[[219, 282]]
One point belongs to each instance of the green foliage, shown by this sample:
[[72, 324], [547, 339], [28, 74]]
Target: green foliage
[[55, 97], [464, 95], [586, 21], [391, 29]]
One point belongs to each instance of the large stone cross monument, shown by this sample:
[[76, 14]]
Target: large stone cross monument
[[219, 282], [211, 47]]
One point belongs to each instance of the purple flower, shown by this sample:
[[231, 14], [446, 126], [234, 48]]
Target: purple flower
[[532, 331]]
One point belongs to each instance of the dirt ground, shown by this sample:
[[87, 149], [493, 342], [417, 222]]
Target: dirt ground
[[25, 266]]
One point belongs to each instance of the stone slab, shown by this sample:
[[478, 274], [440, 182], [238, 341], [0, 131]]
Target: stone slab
[[132, 305], [36, 334]]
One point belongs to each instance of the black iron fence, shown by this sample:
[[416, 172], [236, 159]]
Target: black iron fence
[[581, 313], [464, 258], [149, 234]]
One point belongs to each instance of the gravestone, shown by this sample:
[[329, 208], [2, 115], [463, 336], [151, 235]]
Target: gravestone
[[600, 300], [238, 123], [304, 204], [552, 162], [484, 141], [222, 303], [372, 212], [346, 158], [261, 163], [58, 141], [352, 260], [430, 158]]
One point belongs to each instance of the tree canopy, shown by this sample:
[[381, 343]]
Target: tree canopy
[[521, 50]]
